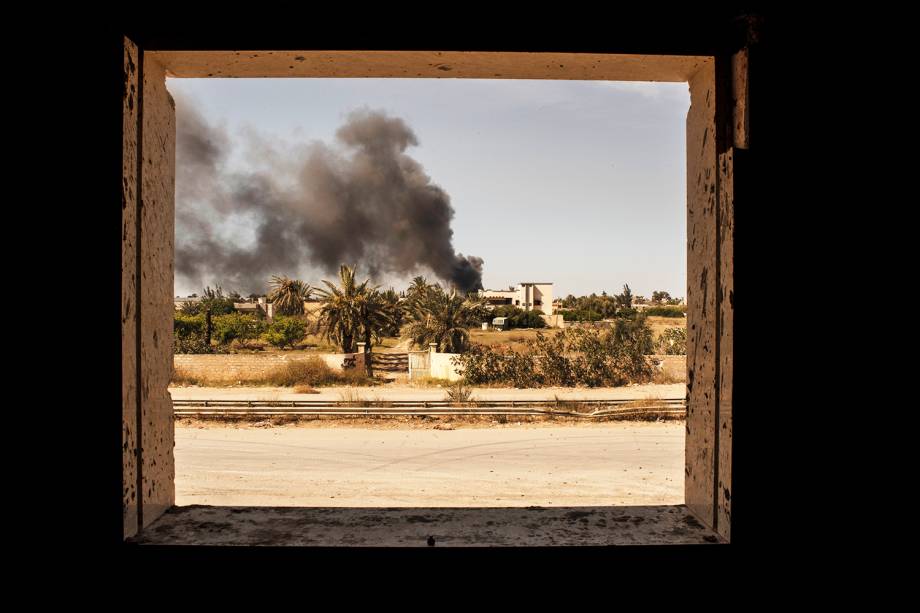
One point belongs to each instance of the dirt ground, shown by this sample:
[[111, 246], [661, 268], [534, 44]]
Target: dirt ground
[[353, 465]]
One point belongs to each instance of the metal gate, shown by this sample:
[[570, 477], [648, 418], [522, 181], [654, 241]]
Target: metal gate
[[390, 362], [419, 364]]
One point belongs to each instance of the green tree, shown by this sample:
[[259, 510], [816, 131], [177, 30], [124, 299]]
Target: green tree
[[673, 341], [444, 318], [288, 295], [518, 317], [396, 307], [374, 318], [189, 334], [235, 326], [285, 331], [214, 300], [417, 295]]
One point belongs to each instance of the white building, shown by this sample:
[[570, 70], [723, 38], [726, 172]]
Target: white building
[[526, 296]]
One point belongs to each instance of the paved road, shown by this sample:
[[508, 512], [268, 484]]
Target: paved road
[[405, 392], [620, 463]]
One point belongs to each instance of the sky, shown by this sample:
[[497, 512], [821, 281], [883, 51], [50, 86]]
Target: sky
[[578, 183]]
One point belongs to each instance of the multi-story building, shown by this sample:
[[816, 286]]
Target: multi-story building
[[530, 296]]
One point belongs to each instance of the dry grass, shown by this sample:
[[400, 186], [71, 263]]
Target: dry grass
[[305, 389], [352, 398], [660, 324], [312, 372], [459, 394], [566, 405], [430, 382], [665, 377], [183, 377], [516, 339]]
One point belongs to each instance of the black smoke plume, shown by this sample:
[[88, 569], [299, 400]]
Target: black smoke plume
[[361, 202]]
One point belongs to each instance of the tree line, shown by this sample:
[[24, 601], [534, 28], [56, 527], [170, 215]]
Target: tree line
[[597, 307], [351, 312]]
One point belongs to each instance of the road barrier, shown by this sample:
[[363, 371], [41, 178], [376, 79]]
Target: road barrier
[[670, 407]]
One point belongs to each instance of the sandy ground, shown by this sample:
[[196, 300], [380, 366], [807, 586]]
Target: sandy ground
[[619, 463], [406, 392]]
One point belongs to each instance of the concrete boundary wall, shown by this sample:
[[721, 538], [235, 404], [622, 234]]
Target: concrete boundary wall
[[443, 368], [244, 366]]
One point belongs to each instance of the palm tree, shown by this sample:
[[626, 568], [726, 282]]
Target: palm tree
[[417, 294], [288, 295], [374, 318], [396, 308], [444, 318], [339, 313]]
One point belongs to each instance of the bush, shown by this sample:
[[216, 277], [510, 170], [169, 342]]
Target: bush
[[458, 393], [673, 341], [556, 367], [190, 334], [519, 318], [577, 356], [580, 315], [635, 333], [285, 332], [312, 372], [521, 370], [528, 319], [481, 364], [667, 311], [228, 328]]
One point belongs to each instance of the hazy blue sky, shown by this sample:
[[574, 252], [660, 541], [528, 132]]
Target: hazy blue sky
[[580, 183]]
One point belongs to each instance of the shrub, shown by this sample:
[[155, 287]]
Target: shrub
[[556, 367], [580, 315], [576, 356], [520, 370], [481, 364], [636, 333], [667, 311], [234, 326], [285, 332], [189, 334], [310, 372], [519, 318], [528, 319], [673, 341], [458, 393]]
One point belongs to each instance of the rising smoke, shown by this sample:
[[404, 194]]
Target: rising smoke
[[361, 201]]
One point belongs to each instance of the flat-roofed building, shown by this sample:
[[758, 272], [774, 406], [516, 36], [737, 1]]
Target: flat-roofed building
[[528, 296]]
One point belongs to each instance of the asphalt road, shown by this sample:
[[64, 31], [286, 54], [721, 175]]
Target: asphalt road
[[612, 463]]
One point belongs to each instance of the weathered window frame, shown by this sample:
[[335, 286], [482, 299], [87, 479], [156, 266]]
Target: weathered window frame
[[716, 125]]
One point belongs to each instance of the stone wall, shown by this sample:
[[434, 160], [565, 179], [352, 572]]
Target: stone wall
[[245, 366]]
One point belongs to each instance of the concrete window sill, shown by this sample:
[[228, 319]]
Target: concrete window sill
[[412, 527]]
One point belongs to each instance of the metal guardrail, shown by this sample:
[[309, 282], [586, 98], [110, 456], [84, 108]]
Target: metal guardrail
[[596, 408]]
